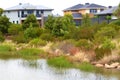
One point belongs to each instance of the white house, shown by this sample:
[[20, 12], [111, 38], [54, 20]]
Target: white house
[[17, 14]]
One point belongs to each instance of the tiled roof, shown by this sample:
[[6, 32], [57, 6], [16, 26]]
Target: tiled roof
[[75, 7], [107, 11], [28, 6], [76, 15], [93, 6], [88, 6]]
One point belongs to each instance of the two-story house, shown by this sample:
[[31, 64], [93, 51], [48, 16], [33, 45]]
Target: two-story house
[[81, 9], [17, 14]]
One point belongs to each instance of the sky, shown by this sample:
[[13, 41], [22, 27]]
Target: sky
[[57, 5]]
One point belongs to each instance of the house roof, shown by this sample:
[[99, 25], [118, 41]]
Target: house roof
[[75, 7], [27, 6], [86, 6], [107, 11]]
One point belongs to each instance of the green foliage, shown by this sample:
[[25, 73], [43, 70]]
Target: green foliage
[[4, 24], [108, 32], [84, 44], [117, 11], [86, 22], [60, 62], [37, 42], [116, 22], [50, 23], [1, 11], [7, 51], [5, 48], [68, 20], [107, 44], [59, 29], [20, 38], [85, 66], [14, 29], [30, 20], [30, 52], [101, 52], [32, 32], [46, 36], [2, 38], [59, 26]]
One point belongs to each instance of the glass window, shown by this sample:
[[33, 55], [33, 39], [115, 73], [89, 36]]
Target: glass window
[[93, 10], [18, 14], [13, 21]]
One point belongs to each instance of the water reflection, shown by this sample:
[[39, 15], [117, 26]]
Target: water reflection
[[39, 70]]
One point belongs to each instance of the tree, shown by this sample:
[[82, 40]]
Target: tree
[[86, 22], [30, 20], [117, 12], [68, 20], [50, 23], [1, 11], [4, 24]]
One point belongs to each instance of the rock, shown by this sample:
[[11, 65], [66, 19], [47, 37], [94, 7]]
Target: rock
[[109, 66], [118, 67], [115, 64], [99, 65]]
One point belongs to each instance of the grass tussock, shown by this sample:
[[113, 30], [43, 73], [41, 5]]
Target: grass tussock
[[85, 66], [30, 52], [60, 62]]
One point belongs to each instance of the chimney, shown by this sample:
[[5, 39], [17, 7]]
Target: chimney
[[87, 3], [109, 6], [20, 3]]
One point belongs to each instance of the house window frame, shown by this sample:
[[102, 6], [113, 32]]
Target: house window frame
[[93, 10]]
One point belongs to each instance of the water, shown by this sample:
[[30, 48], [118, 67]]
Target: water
[[18, 69]]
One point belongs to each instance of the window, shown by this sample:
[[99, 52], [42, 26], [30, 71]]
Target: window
[[30, 12], [8, 11], [17, 22], [101, 9], [18, 14], [13, 21], [93, 10]]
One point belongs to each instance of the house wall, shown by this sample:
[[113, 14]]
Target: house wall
[[46, 13], [13, 16]]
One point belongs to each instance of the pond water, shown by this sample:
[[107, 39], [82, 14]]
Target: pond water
[[18, 69]]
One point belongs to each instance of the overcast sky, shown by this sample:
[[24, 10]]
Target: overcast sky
[[57, 5]]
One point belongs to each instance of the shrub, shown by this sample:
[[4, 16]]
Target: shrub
[[32, 32], [60, 62], [37, 42], [14, 29], [107, 44], [46, 36], [20, 38], [84, 44], [2, 38], [101, 52]]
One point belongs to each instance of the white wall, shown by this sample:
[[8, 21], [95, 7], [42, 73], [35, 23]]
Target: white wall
[[13, 16], [46, 13]]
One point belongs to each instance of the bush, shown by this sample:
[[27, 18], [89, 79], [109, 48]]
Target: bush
[[2, 38], [46, 37], [20, 38], [101, 52], [60, 62], [84, 44], [14, 29], [107, 44], [37, 42], [33, 32]]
